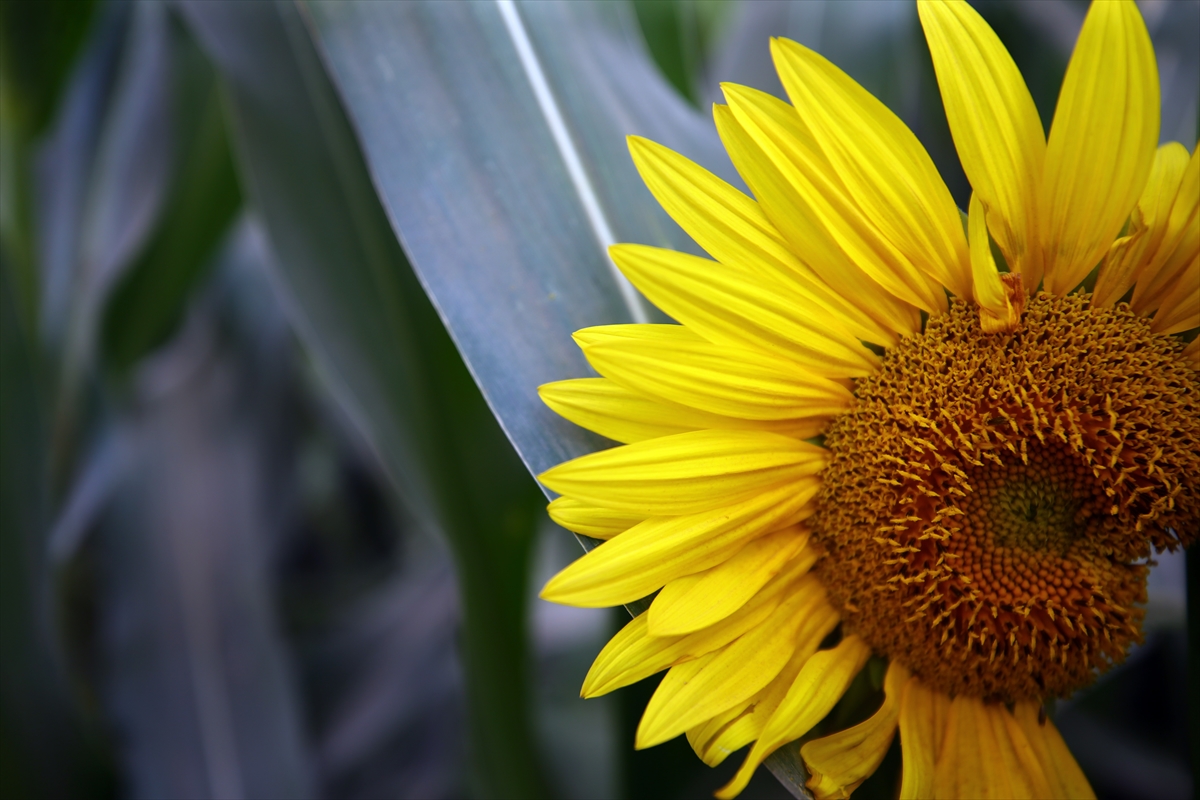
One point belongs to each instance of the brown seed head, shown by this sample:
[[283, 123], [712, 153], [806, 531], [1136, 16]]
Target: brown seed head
[[990, 499]]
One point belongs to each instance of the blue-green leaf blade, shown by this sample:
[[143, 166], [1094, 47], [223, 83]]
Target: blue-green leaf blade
[[478, 189]]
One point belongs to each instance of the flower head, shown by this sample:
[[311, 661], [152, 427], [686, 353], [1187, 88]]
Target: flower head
[[865, 440]]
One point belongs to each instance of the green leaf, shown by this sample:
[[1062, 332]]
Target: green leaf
[[63, 168], [482, 192], [672, 34], [382, 349], [505, 222], [38, 42], [146, 304], [192, 667], [40, 745], [104, 186], [680, 35]]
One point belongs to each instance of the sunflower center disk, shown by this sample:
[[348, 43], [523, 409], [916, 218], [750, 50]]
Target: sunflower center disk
[[1027, 508], [989, 498]]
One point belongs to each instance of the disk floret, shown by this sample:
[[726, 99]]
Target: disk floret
[[991, 499]]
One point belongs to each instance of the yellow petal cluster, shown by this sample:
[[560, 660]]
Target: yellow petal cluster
[[846, 243]]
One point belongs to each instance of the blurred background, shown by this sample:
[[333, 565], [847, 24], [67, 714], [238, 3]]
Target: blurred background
[[277, 282]]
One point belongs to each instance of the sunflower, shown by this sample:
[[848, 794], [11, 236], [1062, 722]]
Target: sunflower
[[887, 433]]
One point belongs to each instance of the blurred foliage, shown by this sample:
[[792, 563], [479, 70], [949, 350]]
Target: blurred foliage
[[681, 35], [374, 334], [38, 43], [261, 532], [151, 297], [41, 38]]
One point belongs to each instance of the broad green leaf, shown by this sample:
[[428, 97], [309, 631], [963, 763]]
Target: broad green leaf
[[108, 213], [130, 177], [38, 44], [382, 349], [495, 134], [63, 168], [462, 146], [148, 300]]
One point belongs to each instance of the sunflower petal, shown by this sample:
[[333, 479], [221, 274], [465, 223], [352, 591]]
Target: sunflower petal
[[686, 473], [881, 163], [1151, 238], [734, 674], [1181, 243], [1101, 144], [1180, 309], [590, 520], [672, 363], [1191, 354], [821, 683], [1065, 777], [697, 601], [626, 416], [825, 200], [611, 410], [730, 731], [634, 654], [986, 755], [839, 763], [922, 720], [995, 126], [996, 309], [733, 229], [726, 305], [661, 549], [790, 215], [1158, 288]]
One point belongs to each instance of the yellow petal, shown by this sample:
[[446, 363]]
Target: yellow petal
[[986, 755], [686, 473], [1191, 354], [674, 364], [611, 410], [688, 696], [996, 310], [1102, 142], [821, 682], [1180, 309], [839, 763], [995, 127], [697, 601], [882, 164], [661, 549], [733, 229], [923, 714], [1156, 290], [633, 654], [789, 213], [1147, 245], [1180, 245], [590, 520], [825, 200], [726, 305], [726, 733], [1066, 779]]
